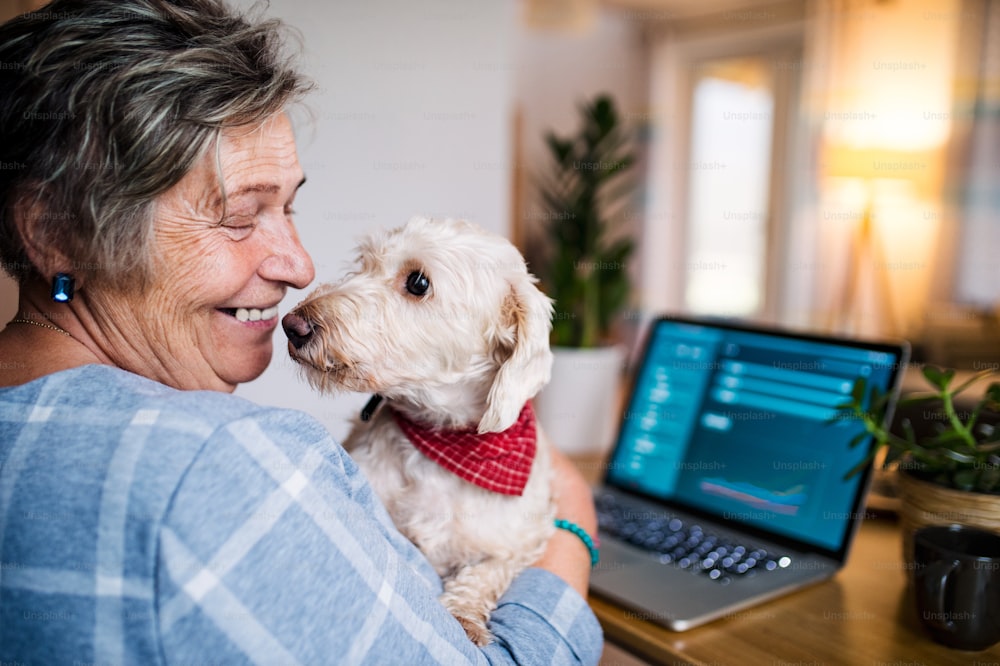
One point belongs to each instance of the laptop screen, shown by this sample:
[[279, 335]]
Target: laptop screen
[[736, 422]]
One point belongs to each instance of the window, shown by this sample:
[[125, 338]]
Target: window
[[723, 176], [729, 186]]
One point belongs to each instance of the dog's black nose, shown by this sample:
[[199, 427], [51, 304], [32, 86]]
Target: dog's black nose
[[297, 329]]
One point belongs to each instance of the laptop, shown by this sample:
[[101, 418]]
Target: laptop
[[725, 487]]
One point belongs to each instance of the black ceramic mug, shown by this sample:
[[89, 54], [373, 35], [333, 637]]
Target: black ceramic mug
[[957, 585]]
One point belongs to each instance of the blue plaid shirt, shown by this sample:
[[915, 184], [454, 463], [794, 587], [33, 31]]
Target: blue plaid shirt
[[144, 525]]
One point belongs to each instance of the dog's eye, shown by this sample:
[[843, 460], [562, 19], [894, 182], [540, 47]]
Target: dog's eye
[[417, 283]]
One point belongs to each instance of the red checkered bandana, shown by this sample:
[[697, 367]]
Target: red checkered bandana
[[497, 461]]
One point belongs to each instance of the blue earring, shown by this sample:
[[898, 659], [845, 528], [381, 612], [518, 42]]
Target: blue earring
[[63, 286]]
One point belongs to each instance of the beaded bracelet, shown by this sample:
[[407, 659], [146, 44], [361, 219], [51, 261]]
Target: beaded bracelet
[[582, 533]]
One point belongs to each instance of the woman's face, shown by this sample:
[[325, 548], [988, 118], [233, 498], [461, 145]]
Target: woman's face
[[219, 272]]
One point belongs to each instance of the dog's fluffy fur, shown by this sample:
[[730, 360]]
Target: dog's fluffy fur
[[468, 353]]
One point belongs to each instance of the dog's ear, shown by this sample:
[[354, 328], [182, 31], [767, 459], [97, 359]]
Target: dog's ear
[[521, 342]]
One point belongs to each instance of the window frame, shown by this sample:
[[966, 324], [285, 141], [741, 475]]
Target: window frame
[[675, 54]]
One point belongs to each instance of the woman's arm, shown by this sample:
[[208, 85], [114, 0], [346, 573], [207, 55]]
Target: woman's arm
[[566, 555], [276, 549]]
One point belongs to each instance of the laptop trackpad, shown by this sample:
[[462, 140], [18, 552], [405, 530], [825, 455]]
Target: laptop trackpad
[[679, 598], [634, 578]]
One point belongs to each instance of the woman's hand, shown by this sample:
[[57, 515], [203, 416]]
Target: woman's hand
[[566, 556]]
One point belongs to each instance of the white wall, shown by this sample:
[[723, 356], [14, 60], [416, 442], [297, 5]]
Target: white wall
[[556, 70]]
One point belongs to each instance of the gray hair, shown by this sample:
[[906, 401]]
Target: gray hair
[[108, 103]]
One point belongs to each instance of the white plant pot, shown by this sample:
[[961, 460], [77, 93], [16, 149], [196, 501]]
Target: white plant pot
[[579, 407]]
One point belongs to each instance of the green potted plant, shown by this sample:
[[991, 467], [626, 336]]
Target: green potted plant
[[583, 267], [585, 191], [948, 462]]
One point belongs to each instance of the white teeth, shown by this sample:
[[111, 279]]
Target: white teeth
[[253, 314]]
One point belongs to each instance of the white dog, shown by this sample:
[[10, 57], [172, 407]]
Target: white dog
[[444, 322]]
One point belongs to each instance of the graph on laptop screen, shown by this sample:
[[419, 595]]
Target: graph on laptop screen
[[737, 423]]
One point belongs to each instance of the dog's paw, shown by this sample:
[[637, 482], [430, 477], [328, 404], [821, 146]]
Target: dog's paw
[[472, 616], [476, 631]]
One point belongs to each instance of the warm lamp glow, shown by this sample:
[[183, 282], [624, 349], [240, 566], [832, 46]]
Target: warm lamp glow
[[892, 80], [923, 169], [887, 120]]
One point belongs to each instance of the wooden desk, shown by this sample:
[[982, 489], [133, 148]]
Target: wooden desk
[[863, 616]]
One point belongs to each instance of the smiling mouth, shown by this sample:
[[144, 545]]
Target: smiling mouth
[[251, 314]]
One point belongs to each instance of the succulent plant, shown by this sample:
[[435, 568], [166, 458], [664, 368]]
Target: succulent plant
[[959, 452]]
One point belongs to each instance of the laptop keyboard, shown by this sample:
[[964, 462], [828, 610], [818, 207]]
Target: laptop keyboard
[[685, 544]]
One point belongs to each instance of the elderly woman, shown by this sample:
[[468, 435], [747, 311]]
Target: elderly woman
[[146, 514]]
